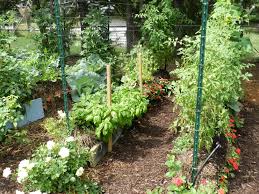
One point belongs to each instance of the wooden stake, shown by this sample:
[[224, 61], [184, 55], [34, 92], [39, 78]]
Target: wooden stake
[[140, 71], [109, 100]]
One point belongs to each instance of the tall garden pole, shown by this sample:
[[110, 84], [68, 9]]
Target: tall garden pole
[[62, 59], [199, 92], [109, 99]]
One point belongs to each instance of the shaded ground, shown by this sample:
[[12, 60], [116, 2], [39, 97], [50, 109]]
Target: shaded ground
[[137, 162], [247, 180]]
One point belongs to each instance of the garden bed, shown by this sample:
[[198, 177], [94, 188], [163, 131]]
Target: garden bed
[[137, 160]]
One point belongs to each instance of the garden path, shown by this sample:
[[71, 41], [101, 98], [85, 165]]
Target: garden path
[[247, 180], [137, 162]]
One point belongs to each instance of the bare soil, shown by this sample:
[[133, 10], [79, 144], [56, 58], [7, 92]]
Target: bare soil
[[137, 162], [247, 179]]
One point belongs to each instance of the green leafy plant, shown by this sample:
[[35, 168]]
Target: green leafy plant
[[56, 128], [10, 112], [87, 76], [223, 73], [6, 38], [95, 37], [149, 65], [57, 167], [92, 112], [157, 29]]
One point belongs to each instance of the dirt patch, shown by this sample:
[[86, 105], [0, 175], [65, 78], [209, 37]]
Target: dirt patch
[[137, 162], [247, 179]]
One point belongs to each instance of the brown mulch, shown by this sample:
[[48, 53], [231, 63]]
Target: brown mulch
[[247, 179], [137, 162]]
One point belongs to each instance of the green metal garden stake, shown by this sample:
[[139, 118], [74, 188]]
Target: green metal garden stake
[[199, 92], [62, 60]]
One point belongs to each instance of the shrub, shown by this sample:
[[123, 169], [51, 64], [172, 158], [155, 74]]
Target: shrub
[[56, 167]]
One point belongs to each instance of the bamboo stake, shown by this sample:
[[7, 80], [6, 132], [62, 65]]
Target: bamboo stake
[[140, 71], [109, 99]]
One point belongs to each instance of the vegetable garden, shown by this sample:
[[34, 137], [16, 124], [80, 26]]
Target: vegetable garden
[[173, 110]]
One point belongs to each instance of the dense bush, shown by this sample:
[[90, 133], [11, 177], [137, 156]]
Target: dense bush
[[95, 38], [158, 28], [223, 73]]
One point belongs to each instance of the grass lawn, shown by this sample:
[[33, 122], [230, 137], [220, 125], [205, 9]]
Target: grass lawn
[[25, 41]]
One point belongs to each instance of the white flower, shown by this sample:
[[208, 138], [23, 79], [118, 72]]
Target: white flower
[[48, 159], [70, 139], [24, 164], [7, 172], [80, 171], [64, 152], [72, 179], [19, 192], [22, 175], [30, 166], [61, 114], [36, 192], [50, 144]]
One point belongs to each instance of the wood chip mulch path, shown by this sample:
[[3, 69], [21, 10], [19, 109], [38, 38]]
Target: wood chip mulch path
[[247, 180], [137, 162]]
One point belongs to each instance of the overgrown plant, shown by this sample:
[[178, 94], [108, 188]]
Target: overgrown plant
[[223, 73], [158, 28], [95, 38]]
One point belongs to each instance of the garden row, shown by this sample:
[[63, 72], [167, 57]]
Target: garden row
[[224, 72]]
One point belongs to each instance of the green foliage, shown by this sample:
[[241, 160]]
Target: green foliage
[[43, 65], [15, 79], [5, 37], [183, 143], [157, 29], [57, 167], [93, 113], [149, 65], [223, 73], [56, 128], [87, 76], [96, 36], [45, 21], [173, 165], [10, 111]]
